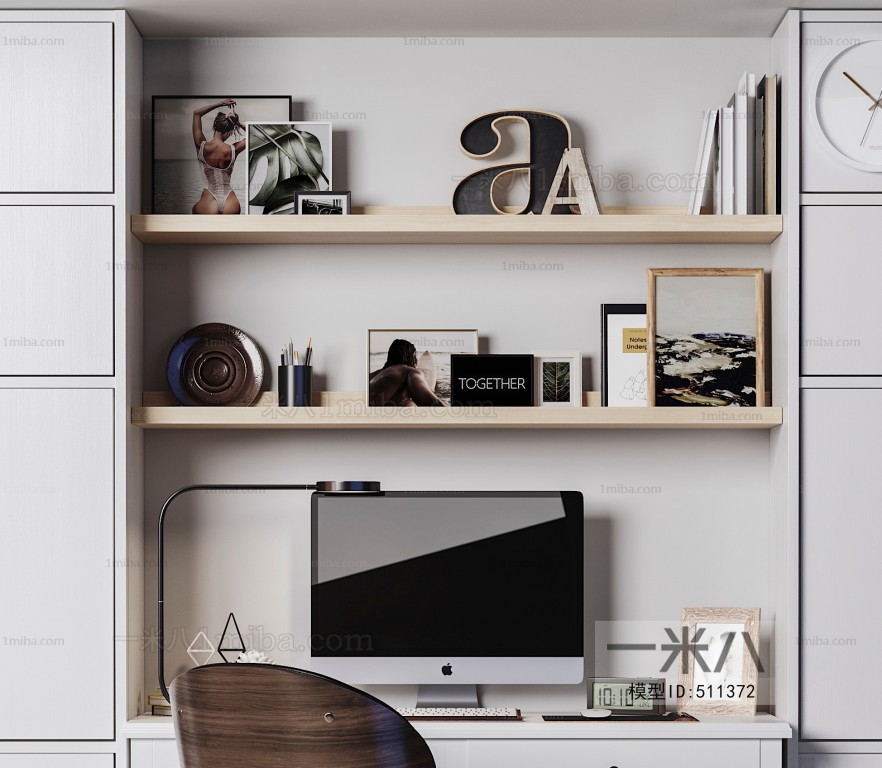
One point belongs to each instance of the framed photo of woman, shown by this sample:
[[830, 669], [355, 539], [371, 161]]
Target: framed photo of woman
[[199, 162], [411, 367]]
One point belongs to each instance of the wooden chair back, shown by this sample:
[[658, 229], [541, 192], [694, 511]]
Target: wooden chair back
[[266, 716]]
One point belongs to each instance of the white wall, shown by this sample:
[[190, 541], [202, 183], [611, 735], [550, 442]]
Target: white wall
[[636, 106]]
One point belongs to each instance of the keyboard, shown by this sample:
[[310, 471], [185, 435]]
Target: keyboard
[[460, 713]]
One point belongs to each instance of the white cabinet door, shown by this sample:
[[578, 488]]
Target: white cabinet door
[[56, 564], [840, 761], [56, 88], [597, 753], [153, 753], [841, 274], [56, 761], [56, 290], [841, 568]]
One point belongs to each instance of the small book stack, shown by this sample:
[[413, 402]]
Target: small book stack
[[158, 705], [737, 167]]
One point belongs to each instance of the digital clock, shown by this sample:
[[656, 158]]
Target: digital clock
[[628, 695]]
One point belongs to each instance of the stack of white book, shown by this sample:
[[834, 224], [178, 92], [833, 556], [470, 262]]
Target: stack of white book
[[737, 167]]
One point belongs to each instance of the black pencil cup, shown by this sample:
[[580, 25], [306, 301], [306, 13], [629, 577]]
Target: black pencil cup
[[295, 385]]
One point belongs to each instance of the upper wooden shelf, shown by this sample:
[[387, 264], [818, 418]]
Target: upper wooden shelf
[[346, 410], [416, 225]]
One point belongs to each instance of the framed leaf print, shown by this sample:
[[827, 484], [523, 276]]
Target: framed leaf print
[[283, 160], [558, 379]]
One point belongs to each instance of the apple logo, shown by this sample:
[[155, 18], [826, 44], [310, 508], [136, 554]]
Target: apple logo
[[447, 670]]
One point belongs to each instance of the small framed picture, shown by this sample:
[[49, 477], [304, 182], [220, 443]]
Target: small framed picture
[[322, 203], [623, 355], [558, 377], [496, 381], [199, 161], [724, 682], [411, 367], [705, 337], [284, 159]]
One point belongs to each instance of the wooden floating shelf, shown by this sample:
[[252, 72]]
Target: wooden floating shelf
[[426, 225], [346, 410]]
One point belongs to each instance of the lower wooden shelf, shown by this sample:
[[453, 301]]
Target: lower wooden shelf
[[347, 410]]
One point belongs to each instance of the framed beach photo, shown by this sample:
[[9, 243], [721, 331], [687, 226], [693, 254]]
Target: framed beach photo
[[623, 355], [727, 641], [323, 203], [199, 163], [558, 378], [284, 159], [412, 367], [705, 337]]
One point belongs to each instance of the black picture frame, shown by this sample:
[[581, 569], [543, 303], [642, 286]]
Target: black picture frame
[[326, 203], [605, 311], [508, 367], [163, 117]]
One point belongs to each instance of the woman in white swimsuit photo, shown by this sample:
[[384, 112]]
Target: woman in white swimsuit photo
[[216, 158]]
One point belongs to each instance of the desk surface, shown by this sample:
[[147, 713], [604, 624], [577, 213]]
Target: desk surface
[[761, 726]]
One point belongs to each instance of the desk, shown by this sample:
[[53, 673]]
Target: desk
[[723, 742]]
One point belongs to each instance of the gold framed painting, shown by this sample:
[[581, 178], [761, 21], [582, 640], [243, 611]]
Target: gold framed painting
[[706, 337]]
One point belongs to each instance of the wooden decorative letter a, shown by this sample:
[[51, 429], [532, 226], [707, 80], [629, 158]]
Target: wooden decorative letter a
[[572, 162]]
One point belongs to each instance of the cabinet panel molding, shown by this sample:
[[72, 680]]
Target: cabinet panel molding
[[57, 564], [56, 290], [56, 82]]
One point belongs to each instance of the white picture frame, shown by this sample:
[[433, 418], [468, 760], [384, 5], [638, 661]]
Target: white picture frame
[[729, 685], [571, 362], [432, 349], [275, 192]]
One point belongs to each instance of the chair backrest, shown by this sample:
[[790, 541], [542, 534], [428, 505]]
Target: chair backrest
[[263, 716]]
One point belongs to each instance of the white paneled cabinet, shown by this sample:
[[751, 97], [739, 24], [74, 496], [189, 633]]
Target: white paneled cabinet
[[841, 275], [56, 565], [56, 290], [56, 87], [841, 567]]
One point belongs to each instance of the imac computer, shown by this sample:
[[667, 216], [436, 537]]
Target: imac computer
[[448, 590]]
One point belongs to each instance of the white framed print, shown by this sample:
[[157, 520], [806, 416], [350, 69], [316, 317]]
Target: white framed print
[[623, 355], [284, 159], [725, 679], [558, 378], [411, 367]]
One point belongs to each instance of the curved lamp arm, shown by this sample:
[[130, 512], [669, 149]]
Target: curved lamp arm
[[326, 486]]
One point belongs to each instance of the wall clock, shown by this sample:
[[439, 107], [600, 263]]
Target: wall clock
[[842, 107], [847, 104]]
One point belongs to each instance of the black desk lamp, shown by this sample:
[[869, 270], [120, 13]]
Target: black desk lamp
[[324, 486]]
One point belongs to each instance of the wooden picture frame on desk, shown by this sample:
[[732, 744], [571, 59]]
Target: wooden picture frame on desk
[[711, 321], [727, 642]]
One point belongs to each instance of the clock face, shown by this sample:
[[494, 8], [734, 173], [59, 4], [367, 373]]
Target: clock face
[[623, 695], [846, 110], [620, 696]]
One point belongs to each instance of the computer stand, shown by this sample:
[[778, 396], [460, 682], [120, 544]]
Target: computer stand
[[438, 695]]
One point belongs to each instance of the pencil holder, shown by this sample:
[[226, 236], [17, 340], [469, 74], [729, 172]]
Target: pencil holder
[[295, 385]]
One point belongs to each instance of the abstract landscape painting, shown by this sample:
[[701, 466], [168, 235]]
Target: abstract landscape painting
[[706, 333]]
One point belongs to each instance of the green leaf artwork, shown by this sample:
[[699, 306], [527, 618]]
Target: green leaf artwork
[[294, 163], [556, 382]]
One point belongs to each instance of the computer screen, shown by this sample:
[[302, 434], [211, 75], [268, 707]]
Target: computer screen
[[448, 587]]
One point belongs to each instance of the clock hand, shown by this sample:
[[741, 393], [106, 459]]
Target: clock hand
[[872, 118], [865, 92]]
